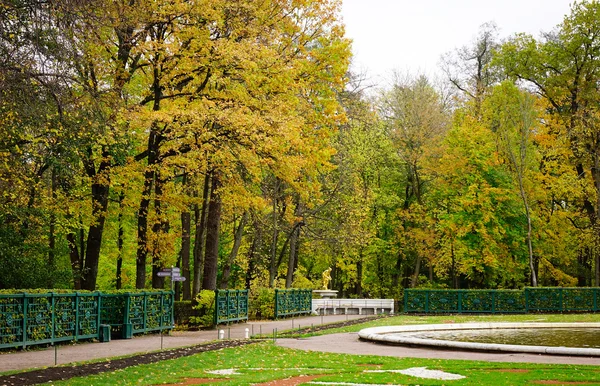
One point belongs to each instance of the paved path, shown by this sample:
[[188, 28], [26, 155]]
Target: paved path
[[349, 343], [68, 353], [338, 343]]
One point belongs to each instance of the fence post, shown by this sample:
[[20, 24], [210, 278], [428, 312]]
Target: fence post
[[560, 297], [52, 302], [276, 303], [98, 311], [216, 316], [76, 315], [227, 303], [25, 310], [145, 311], [493, 301]]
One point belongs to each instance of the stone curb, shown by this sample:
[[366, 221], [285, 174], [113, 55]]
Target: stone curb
[[382, 334]]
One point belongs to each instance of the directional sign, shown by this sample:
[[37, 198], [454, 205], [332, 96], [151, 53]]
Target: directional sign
[[164, 274], [172, 269], [178, 278]]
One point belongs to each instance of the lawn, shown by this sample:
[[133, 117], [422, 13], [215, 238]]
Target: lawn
[[265, 362]]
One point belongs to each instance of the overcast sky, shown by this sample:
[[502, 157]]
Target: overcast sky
[[410, 35]]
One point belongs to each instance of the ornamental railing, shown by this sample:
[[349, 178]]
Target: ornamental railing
[[231, 306], [292, 302], [28, 319], [502, 301], [138, 312]]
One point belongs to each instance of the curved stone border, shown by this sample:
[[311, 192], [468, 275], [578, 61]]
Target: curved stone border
[[381, 334]]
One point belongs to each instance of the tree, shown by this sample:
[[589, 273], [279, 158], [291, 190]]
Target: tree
[[511, 114], [563, 69], [416, 121], [469, 68]]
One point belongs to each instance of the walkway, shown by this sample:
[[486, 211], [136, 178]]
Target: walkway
[[349, 343], [336, 343], [63, 354]]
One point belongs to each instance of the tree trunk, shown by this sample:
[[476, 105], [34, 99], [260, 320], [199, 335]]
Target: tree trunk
[[237, 241], [359, 274], [52, 234], [273, 261], [200, 218], [294, 245], [415, 278], [142, 214], [209, 281], [186, 220], [75, 260], [253, 254], [293, 257], [142, 230], [119, 278], [100, 191], [160, 230]]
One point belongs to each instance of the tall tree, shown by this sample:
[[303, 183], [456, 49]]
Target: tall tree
[[563, 68]]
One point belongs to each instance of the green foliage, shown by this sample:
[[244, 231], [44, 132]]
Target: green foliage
[[262, 303], [205, 308], [183, 311]]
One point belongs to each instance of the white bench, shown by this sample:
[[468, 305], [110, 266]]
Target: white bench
[[352, 306]]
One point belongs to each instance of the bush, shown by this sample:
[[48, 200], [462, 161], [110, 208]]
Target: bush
[[205, 307], [183, 311], [262, 303]]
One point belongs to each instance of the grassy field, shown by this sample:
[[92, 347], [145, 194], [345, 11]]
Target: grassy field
[[265, 362]]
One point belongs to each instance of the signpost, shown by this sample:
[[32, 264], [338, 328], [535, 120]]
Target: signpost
[[174, 273]]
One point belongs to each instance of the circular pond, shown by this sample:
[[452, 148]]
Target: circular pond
[[541, 338]]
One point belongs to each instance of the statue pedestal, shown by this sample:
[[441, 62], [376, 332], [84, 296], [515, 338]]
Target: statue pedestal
[[326, 294]]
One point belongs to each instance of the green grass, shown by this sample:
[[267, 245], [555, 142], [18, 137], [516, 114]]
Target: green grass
[[266, 362]]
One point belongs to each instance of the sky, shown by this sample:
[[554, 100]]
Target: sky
[[410, 36]]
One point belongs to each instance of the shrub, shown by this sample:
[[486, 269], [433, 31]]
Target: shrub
[[183, 311], [262, 303], [205, 306]]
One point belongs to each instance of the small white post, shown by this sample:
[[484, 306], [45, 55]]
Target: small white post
[[221, 334], [247, 333]]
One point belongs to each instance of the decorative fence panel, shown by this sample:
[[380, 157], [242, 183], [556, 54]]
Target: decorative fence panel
[[292, 302], [231, 306], [30, 319], [502, 301]]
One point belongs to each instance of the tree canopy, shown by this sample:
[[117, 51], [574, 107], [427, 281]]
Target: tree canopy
[[230, 139]]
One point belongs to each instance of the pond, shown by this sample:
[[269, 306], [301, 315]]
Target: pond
[[529, 337]]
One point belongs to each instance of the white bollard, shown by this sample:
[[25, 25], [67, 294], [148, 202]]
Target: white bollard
[[221, 334], [247, 333]]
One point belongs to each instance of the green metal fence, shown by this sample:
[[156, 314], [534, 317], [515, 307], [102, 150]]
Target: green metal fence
[[292, 302], [502, 301], [30, 319], [231, 306]]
